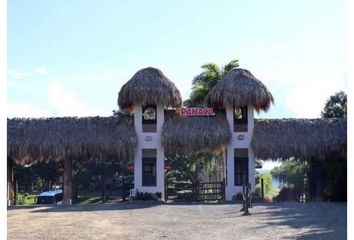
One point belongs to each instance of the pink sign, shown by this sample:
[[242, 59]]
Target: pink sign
[[197, 112]]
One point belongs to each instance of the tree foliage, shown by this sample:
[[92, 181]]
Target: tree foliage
[[291, 173], [206, 80], [269, 189], [188, 167], [336, 106]]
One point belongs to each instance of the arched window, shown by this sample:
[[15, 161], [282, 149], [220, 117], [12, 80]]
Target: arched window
[[149, 118], [240, 119], [149, 114]]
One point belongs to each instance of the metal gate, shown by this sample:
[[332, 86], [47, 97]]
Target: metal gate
[[209, 191]]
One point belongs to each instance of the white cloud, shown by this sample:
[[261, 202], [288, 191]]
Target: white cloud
[[27, 110], [308, 96], [306, 92], [16, 75], [65, 103], [41, 70]]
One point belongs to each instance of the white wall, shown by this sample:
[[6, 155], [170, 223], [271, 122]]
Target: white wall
[[231, 189], [149, 140]]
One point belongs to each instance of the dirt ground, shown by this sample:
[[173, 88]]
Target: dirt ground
[[179, 221]]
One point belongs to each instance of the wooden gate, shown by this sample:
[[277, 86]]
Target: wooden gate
[[209, 191]]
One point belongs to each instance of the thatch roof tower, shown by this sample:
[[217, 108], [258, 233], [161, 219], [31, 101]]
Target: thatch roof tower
[[149, 86], [240, 88]]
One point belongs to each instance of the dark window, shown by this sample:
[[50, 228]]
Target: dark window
[[241, 171], [149, 114], [240, 115], [149, 171]]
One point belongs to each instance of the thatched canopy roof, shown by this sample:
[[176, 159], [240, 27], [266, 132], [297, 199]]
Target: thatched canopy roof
[[300, 138], [99, 138], [149, 86], [240, 88], [185, 135]]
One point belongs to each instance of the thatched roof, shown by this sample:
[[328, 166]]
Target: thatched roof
[[149, 86], [240, 88], [101, 138], [185, 135], [300, 138]]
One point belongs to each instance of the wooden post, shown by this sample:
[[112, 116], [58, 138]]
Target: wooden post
[[223, 190], [250, 195], [166, 189], [243, 198], [15, 191], [10, 182], [67, 182], [262, 188], [123, 189], [246, 199]]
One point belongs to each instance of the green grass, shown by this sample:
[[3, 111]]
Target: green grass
[[26, 199], [274, 192]]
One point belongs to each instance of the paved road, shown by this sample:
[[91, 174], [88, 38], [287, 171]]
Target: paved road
[[179, 221]]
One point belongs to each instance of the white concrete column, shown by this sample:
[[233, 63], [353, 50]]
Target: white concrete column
[[239, 140], [149, 140]]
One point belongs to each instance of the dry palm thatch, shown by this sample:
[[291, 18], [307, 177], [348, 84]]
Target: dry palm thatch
[[149, 86], [99, 138], [240, 88], [299, 138], [185, 135]]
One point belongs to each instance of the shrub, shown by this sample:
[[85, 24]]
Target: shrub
[[148, 196], [256, 196], [288, 194], [237, 197]]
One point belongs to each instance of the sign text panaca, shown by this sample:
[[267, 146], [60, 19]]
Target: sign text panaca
[[197, 112]]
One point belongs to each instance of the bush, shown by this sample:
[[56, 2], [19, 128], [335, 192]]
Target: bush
[[287, 194], [26, 199], [148, 196], [237, 197], [256, 197]]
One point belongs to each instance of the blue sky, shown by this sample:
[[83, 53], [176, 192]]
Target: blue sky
[[69, 58]]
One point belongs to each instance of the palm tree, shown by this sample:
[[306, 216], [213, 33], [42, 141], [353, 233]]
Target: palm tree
[[206, 80]]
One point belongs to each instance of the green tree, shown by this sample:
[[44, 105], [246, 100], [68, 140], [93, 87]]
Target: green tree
[[269, 189], [203, 82], [292, 173], [103, 173], [336, 106], [335, 167], [188, 167]]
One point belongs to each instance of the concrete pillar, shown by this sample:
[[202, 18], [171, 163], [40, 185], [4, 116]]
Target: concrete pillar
[[149, 140], [239, 140]]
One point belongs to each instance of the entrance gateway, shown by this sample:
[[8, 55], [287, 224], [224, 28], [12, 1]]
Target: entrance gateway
[[226, 125], [149, 175]]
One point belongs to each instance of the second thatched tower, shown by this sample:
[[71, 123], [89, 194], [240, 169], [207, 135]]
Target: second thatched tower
[[240, 93]]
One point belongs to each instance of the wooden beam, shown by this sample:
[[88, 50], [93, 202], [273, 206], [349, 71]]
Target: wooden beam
[[10, 182], [67, 192]]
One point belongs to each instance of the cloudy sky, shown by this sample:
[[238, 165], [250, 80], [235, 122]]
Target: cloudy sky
[[70, 58]]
